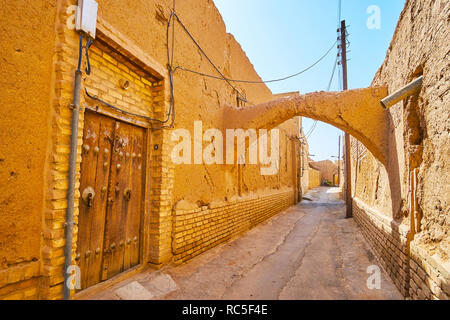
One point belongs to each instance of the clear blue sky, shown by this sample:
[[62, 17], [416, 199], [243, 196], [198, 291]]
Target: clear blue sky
[[282, 37]]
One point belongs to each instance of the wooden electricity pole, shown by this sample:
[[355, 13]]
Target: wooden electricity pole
[[348, 169], [339, 162]]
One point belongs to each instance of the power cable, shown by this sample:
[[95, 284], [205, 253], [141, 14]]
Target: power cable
[[310, 132], [80, 52], [339, 9], [169, 65], [171, 71], [88, 67], [205, 55], [93, 97], [262, 81]]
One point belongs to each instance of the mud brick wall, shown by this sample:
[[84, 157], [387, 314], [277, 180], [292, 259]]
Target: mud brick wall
[[418, 140], [108, 73], [429, 279], [42, 51], [197, 230], [28, 49], [20, 282], [387, 241], [416, 274], [314, 178]]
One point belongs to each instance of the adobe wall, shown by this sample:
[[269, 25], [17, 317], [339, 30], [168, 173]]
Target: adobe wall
[[196, 230], [304, 163], [419, 138], [314, 178], [27, 42], [199, 98], [327, 169], [37, 88]]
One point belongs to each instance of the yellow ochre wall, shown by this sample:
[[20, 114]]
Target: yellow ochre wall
[[413, 247], [26, 82], [40, 53], [314, 178]]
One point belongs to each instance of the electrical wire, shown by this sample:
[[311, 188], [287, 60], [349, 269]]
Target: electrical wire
[[93, 97], [262, 81], [332, 73], [206, 56], [310, 132], [171, 71], [228, 80], [80, 53], [313, 127], [169, 65], [88, 68]]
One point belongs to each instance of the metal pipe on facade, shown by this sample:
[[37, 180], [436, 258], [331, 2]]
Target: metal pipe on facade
[[72, 177], [402, 93], [412, 201]]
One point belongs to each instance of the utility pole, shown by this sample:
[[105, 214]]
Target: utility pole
[[339, 162], [348, 173]]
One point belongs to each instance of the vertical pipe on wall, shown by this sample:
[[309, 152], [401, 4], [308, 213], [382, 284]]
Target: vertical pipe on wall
[[412, 201], [72, 177]]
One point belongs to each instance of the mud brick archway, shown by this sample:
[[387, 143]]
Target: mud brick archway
[[357, 112]]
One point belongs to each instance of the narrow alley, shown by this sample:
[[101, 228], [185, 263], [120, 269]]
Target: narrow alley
[[309, 251], [224, 150]]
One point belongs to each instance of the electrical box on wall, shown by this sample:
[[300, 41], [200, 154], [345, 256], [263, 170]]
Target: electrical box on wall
[[86, 18]]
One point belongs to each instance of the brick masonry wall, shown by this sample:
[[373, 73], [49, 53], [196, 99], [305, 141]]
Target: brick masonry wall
[[105, 79], [147, 95], [418, 140], [416, 275], [43, 278], [388, 241], [195, 231], [20, 282], [429, 278]]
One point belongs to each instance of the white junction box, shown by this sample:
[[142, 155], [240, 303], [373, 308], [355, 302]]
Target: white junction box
[[86, 18]]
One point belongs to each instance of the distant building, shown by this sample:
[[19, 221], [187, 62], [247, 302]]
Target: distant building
[[328, 169]]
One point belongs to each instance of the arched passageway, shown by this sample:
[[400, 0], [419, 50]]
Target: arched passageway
[[357, 112]]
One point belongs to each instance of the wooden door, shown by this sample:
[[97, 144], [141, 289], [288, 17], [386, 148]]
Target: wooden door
[[123, 214], [111, 186], [95, 170]]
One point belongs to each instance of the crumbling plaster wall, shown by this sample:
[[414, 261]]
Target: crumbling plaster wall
[[30, 148], [198, 98], [419, 127]]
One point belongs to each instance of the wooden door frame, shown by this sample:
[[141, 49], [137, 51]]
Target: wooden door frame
[[145, 205], [159, 177], [122, 45]]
